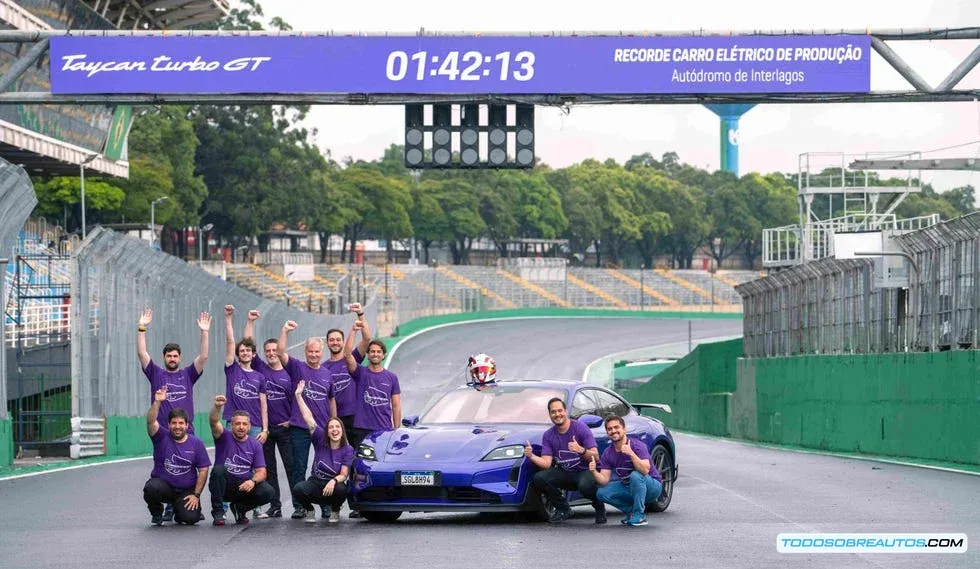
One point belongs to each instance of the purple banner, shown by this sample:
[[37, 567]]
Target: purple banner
[[461, 65]]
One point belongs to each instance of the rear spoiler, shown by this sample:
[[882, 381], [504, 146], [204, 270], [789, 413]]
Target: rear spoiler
[[641, 406]]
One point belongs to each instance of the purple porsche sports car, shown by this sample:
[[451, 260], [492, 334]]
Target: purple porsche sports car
[[466, 452]]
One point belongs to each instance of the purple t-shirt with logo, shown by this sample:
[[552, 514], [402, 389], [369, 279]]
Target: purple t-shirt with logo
[[242, 388], [555, 445], [241, 458], [180, 390], [279, 392], [177, 463], [327, 461], [316, 392], [621, 465], [374, 389], [344, 390]]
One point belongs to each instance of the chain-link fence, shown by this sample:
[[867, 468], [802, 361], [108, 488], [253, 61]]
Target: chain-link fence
[[115, 277], [17, 200], [947, 289], [831, 306]]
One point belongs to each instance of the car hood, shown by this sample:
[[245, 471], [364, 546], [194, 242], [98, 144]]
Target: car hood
[[454, 443]]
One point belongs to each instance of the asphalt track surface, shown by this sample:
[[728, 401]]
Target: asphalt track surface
[[730, 501]]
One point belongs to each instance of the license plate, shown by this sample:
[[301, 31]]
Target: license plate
[[418, 478]]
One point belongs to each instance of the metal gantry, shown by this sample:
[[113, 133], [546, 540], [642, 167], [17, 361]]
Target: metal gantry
[[921, 90]]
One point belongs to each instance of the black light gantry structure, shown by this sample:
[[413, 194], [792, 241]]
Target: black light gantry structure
[[464, 137]]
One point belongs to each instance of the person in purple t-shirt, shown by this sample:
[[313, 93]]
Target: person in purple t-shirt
[[379, 401], [628, 479], [317, 380], [244, 386], [344, 389], [180, 465], [239, 467], [566, 449], [332, 458], [179, 382]]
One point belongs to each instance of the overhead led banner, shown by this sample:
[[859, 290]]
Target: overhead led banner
[[460, 65]]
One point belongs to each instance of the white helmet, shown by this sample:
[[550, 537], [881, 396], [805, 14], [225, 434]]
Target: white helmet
[[482, 369]]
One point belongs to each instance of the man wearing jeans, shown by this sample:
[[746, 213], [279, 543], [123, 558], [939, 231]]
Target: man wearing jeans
[[566, 450], [317, 394], [627, 478], [239, 467]]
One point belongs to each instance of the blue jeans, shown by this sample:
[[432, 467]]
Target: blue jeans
[[631, 498], [301, 442]]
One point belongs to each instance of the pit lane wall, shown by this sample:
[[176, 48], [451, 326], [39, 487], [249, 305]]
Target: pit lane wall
[[912, 405]]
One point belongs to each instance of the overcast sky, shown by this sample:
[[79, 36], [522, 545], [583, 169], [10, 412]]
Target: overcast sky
[[772, 136]]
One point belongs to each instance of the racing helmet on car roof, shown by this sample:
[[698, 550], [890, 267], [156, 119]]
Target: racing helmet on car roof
[[482, 369]]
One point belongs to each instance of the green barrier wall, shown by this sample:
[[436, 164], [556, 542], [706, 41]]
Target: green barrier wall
[[6, 442], [920, 405], [126, 436], [697, 387]]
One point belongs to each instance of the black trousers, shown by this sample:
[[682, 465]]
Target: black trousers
[[156, 492], [356, 436], [348, 421], [310, 492], [225, 489], [279, 437], [550, 481]]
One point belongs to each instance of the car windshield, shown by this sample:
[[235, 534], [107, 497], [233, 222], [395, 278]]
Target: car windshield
[[496, 404]]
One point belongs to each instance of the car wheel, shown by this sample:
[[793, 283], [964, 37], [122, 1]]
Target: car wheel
[[381, 517], [665, 465], [545, 508]]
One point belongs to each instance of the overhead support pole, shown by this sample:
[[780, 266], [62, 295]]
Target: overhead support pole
[[23, 63], [957, 74], [899, 65]]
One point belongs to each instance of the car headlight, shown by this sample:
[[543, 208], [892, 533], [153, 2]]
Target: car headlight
[[509, 452], [366, 452]]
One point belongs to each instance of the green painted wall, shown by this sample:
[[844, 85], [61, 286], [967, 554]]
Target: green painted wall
[[697, 387], [126, 436], [639, 370], [6, 442], [917, 405]]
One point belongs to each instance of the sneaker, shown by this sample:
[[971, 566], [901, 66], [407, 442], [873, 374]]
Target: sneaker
[[600, 516], [354, 514], [636, 520], [256, 513], [310, 516], [298, 513], [218, 522], [259, 515], [156, 519], [273, 513], [241, 517], [168, 513], [334, 517], [560, 515]]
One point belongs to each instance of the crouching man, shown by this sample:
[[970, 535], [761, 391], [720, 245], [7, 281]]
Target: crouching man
[[627, 478], [180, 465], [239, 467]]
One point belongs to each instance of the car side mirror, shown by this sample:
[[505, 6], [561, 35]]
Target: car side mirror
[[410, 421], [591, 421]]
